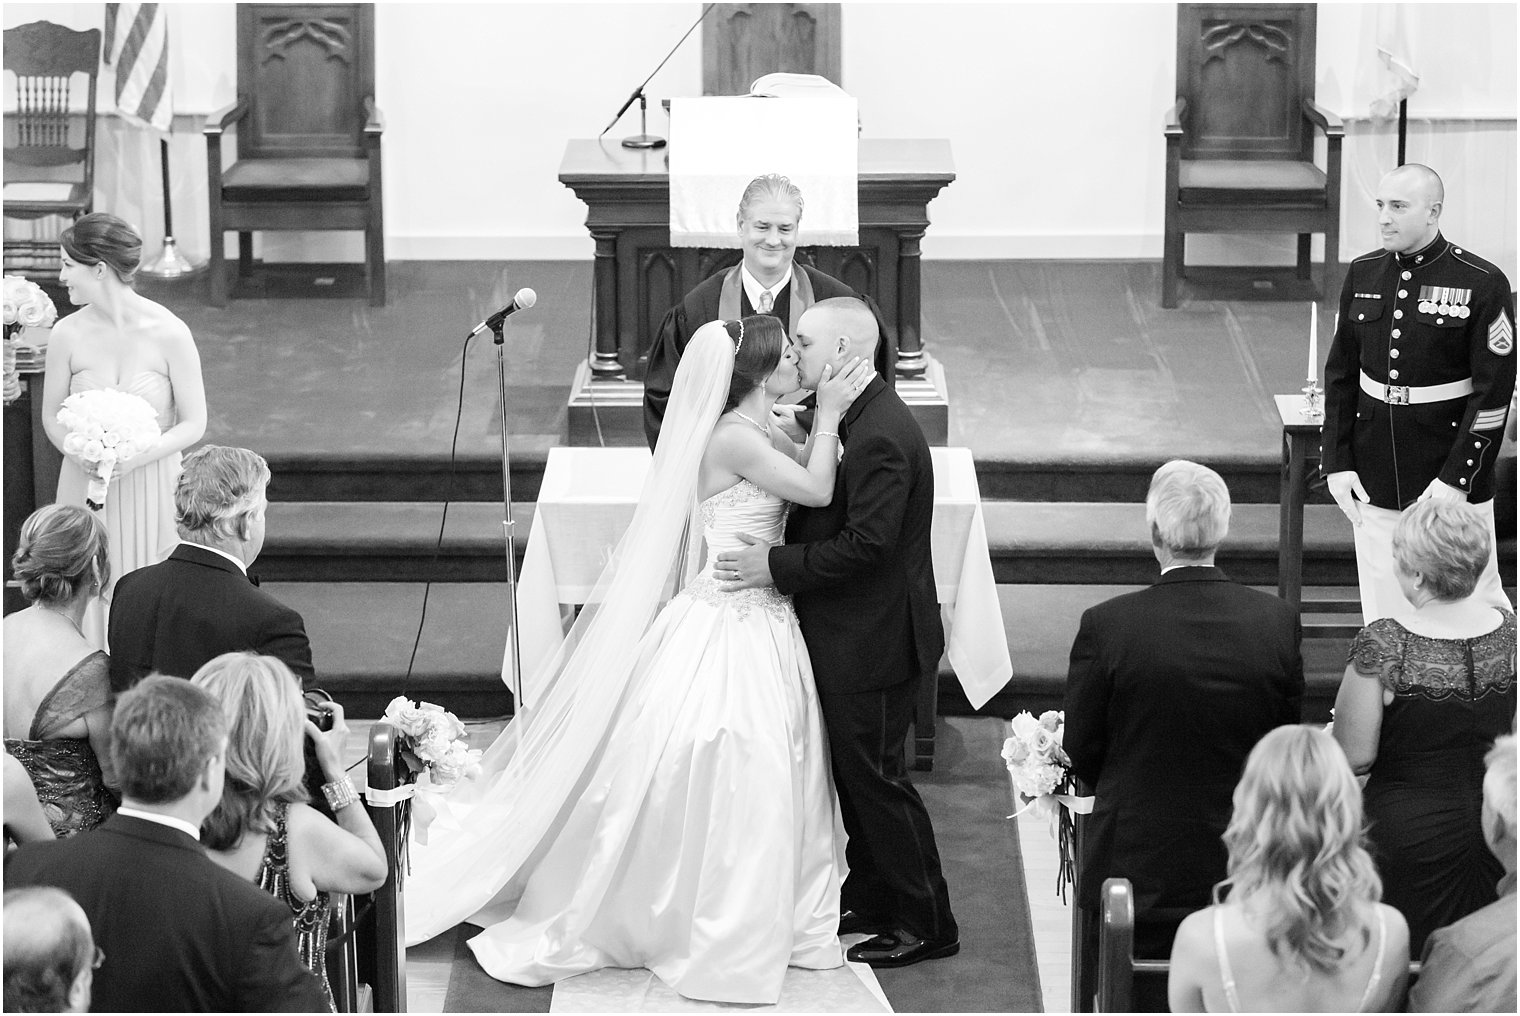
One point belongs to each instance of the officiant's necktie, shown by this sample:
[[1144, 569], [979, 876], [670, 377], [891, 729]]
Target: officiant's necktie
[[767, 302]]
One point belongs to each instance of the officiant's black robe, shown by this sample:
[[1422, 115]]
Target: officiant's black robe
[[701, 306]]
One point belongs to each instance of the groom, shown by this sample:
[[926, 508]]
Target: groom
[[861, 578]]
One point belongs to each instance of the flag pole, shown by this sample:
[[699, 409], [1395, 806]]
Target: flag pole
[[1403, 126], [170, 263]]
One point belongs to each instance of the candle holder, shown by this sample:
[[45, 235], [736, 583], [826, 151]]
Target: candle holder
[[1314, 402]]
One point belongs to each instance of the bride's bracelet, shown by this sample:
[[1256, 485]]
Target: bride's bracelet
[[826, 433]]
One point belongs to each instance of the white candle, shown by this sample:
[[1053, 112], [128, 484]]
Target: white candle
[[1313, 342]]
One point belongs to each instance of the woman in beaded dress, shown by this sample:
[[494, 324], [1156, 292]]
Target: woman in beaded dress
[[120, 339], [263, 829], [57, 685], [1423, 698], [667, 804]]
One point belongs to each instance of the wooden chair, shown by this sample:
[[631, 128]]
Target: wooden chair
[[1118, 970], [1240, 144], [308, 135], [49, 148], [366, 950]]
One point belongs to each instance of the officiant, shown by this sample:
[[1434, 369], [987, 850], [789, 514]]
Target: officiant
[[767, 281]]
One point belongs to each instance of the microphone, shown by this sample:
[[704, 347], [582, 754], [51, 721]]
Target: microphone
[[524, 299]]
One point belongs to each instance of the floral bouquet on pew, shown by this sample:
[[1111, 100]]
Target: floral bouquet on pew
[[26, 305], [105, 427], [433, 744], [1041, 772]]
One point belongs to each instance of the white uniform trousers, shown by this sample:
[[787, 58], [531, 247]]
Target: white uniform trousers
[[1381, 595]]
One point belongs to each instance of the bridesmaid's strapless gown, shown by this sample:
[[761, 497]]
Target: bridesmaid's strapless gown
[[139, 511]]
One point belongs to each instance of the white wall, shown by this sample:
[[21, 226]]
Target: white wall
[[1053, 112]]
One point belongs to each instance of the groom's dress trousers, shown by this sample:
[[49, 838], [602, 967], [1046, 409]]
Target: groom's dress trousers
[[1168, 690], [860, 574]]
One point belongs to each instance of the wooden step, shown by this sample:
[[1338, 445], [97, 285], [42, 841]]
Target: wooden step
[[1030, 542]]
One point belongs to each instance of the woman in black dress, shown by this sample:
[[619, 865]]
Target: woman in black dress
[[1423, 698]]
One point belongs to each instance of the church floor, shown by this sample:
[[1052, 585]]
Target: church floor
[[1045, 361]]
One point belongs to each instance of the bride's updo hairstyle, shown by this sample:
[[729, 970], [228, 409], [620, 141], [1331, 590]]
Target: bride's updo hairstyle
[[101, 239], [760, 341], [1296, 847], [62, 551]]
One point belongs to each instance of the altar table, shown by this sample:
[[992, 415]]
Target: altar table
[[587, 499]]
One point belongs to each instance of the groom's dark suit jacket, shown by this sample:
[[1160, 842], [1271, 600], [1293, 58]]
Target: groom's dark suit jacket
[[179, 933], [174, 616], [1168, 691], [859, 570]]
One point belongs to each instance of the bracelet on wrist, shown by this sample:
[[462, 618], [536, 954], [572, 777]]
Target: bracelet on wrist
[[826, 433], [340, 793]]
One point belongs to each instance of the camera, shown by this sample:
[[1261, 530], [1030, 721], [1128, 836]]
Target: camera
[[321, 718]]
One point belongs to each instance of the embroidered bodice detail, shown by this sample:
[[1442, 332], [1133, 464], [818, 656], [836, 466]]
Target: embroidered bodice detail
[[1436, 669], [743, 508]]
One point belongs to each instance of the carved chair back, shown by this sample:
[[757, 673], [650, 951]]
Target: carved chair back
[[1244, 70], [305, 70], [45, 133]]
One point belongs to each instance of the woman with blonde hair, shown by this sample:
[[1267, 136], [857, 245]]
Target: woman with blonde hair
[[57, 684], [1302, 928], [1424, 695], [263, 829]]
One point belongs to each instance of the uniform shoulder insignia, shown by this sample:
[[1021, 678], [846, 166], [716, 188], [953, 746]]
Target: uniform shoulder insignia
[[1370, 256], [1471, 260], [1501, 335]]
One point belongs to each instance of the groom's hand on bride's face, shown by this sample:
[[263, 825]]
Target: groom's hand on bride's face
[[749, 568]]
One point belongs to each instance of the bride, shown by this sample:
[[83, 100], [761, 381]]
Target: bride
[[664, 800]]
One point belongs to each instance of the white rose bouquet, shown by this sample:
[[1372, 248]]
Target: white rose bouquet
[[26, 305], [433, 745], [1041, 774], [105, 427]]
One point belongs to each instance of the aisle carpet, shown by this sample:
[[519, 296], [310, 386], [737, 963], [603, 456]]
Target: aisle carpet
[[968, 798]]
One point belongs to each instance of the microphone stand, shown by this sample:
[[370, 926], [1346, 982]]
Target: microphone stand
[[643, 139], [514, 650]]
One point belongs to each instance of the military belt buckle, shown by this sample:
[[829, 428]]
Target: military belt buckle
[[1398, 395]]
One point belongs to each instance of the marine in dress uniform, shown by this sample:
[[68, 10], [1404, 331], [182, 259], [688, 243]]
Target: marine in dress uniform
[[1417, 388]]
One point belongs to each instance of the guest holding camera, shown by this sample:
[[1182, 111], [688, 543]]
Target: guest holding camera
[[1301, 929], [1423, 698], [57, 688], [263, 829]]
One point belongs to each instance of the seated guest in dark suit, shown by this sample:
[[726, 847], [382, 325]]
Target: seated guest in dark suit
[[1469, 966], [766, 281], [179, 933], [49, 954], [172, 617], [1168, 690]]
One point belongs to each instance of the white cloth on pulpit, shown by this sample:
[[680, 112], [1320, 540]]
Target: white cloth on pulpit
[[718, 144]]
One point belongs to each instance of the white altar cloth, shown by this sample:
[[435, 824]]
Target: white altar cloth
[[586, 501]]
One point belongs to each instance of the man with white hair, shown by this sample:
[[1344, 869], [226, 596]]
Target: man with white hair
[[49, 954], [1469, 966], [1168, 690], [1417, 384], [174, 616]]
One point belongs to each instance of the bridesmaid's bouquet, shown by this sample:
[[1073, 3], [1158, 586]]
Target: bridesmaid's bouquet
[[106, 427], [433, 743], [1041, 773]]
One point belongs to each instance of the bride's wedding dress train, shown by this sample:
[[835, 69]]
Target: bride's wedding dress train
[[700, 837]]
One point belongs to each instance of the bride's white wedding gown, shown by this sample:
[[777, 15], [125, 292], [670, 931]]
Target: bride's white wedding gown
[[703, 841]]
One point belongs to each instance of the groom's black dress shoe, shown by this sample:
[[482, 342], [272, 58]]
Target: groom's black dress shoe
[[899, 949], [853, 922]]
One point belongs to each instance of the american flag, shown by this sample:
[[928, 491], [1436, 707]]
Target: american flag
[[137, 44]]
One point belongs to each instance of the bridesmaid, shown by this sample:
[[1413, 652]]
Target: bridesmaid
[[122, 340]]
